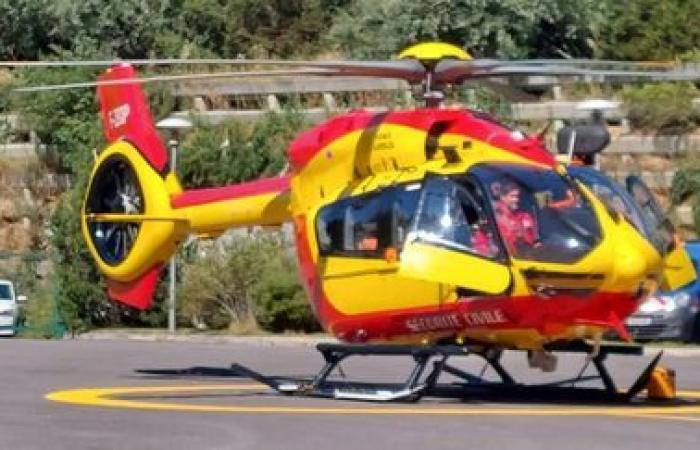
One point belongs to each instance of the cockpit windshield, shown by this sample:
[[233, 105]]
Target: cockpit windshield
[[540, 215], [640, 210], [493, 210]]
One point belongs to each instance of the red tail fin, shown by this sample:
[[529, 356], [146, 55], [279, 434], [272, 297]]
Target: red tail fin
[[125, 115], [138, 293]]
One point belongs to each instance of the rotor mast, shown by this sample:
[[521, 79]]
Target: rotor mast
[[429, 54]]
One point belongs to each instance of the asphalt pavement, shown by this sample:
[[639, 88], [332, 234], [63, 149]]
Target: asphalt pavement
[[181, 397]]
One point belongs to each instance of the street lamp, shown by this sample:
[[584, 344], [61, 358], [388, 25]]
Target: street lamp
[[174, 127]]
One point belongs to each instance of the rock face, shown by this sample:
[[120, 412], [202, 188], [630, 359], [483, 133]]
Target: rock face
[[8, 212], [24, 210], [18, 236]]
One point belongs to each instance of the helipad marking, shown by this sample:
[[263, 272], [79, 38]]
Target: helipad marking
[[105, 397]]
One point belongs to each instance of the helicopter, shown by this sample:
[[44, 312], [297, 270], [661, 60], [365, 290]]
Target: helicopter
[[431, 232]]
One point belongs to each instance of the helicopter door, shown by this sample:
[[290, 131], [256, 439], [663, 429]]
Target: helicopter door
[[453, 241], [678, 267]]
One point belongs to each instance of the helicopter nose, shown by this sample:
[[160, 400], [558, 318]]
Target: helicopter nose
[[630, 266]]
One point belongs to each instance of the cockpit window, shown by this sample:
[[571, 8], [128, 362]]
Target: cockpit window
[[659, 227], [451, 215], [613, 196], [638, 207], [541, 216], [367, 225]]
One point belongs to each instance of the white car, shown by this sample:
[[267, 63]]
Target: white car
[[8, 308]]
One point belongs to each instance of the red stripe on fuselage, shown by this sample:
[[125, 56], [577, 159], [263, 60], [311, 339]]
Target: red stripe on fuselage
[[462, 122], [548, 315], [209, 195]]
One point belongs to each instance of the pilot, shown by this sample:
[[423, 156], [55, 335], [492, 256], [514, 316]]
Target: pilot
[[517, 227]]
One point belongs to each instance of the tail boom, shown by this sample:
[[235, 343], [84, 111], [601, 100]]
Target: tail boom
[[261, 202]]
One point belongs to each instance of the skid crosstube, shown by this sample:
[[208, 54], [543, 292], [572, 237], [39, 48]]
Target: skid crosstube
[[423, 379]]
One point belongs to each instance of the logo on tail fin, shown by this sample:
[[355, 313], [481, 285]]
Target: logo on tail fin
[[118, 116]]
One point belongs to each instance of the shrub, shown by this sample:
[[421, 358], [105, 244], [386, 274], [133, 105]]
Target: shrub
[[664, 107], [280, 300], [242, 281]]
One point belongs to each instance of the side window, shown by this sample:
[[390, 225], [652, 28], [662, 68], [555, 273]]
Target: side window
[[660, 228], [367, 225], [449, 215]]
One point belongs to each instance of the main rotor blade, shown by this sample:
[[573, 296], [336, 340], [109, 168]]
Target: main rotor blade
[[385, 67], [409, 70], [506, 90], [454, 71], [135, 62], [168, 78], [589, 63]]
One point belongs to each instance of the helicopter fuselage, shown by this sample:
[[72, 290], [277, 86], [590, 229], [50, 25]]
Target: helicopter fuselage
[[360, 192]]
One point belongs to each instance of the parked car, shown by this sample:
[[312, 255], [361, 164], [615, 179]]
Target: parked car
[[9, 308], [672, 315]]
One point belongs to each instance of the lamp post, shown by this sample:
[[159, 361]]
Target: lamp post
[[174, 128]]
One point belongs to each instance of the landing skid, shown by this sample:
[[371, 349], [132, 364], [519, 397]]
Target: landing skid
[[423, 379]]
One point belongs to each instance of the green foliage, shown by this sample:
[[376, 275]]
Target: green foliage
[[686, 182], [66, 122], [664, 107], [258, 28], [39, 315], [129, 29], [243, 278], [79, 287], [238, 151], [648, 29], [486, 28], [685, 187], [26, 29], [280, 300], [218, 288]]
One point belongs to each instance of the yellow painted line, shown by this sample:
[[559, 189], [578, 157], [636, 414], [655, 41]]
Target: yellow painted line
[[107, 397], [664, 417]]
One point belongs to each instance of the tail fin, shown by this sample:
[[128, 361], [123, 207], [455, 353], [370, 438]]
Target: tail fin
[[125, 115], [133, 219]]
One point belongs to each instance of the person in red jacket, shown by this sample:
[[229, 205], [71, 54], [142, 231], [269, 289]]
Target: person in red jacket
[[517, 227]]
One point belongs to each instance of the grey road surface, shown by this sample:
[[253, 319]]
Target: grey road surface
[[31, 369]]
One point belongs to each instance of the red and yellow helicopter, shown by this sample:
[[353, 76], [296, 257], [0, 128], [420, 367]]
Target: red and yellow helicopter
[[429, 232]]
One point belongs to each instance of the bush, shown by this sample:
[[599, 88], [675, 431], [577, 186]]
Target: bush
[[39, 316], [664, 107], [238, 151], [244, 280], [280, 301]]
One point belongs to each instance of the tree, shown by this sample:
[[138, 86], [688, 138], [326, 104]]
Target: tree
[[237, 151], [665, 107], [218, 288], [258, 28], [648, 29], [28, 34], [486, 28]]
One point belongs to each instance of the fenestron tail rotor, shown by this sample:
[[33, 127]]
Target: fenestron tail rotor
[[115, 190]]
